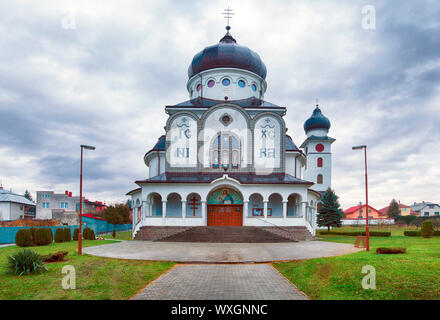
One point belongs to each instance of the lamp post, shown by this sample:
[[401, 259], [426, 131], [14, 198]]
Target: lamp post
[[367, 231], [80, 197]]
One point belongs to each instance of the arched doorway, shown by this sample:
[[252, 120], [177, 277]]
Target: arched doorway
[[225, 208]]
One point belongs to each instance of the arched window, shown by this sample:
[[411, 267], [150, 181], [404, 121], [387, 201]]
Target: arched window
[[225, 149], [319, 162], [319, 179]]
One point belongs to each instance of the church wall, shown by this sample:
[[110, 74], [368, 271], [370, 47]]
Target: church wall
[[267, 143], [182, 142]]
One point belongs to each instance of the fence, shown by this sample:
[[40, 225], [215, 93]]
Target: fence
[[7, 234]]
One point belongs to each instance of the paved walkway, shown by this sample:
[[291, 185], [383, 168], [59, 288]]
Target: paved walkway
[[197, 252], [221, 282]]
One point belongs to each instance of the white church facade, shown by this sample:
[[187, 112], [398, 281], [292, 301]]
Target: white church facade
[[225, 158]]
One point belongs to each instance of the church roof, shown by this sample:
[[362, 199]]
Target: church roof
[[290, 145], [326, 138], [251, 102], [208, 177], [227, 54], [317, 121]]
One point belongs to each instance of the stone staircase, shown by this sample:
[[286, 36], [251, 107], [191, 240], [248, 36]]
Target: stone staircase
[[225, 234]]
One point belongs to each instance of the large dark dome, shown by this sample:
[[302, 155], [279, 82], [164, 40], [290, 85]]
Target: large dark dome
[[227, 54], [317, 121]]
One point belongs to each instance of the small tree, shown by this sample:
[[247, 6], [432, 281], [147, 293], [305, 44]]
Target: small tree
[[66, 234], [427, 229], [117, 214], [394, 210], [329, 212], [59, 235], [28, 195]]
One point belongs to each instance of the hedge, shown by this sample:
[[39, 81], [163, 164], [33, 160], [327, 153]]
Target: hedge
[[418, 233], [59, 235], [43, 236], [357, 233], [67, 235], [23, 238], [75, 234]]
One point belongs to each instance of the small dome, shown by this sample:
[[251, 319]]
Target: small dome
[[317, 121], [227, 54]]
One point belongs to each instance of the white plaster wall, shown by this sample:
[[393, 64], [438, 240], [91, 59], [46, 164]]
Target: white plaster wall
[[5, 211], [317, 132], [431, 211], [233, 91], [312, 170], [16, 211], [238, 126]]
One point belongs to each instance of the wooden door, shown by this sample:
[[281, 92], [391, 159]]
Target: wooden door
[[225, 215]]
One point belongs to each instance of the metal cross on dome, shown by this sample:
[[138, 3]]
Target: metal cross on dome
[[228, 15]]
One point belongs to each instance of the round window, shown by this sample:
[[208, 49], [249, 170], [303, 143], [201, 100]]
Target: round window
[[211, 83], [226, 82], [319, 147], [241, 83], [254, 87], [199, 87]]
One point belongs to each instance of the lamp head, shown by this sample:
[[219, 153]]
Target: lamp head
[[359, 147], [88, 147]]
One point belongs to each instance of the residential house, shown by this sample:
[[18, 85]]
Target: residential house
[[14, 206]]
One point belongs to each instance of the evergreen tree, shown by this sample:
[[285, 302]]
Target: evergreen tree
[[393, 209], [329, 212], [28, 195]]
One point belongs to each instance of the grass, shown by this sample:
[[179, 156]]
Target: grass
[[410, 276], [96, 277], [125, 235]]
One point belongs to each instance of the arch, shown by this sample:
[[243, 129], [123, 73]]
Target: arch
[[225, 150], [275, 205], [220, 106], [256, 205], [155, 204], [193, 205], [178, 114], [293, 205], [174, 205], [319, 163], [319, 179], [222, 195]]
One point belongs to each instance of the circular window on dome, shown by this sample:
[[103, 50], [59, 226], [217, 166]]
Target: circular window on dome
[[254, 87], [241, 83], [199, 87], [226, 82], [211, 83], [319, 147]]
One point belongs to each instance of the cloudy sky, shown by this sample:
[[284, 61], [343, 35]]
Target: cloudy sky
[[101, 72]]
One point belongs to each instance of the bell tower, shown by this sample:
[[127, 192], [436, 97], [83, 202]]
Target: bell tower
[[317, 148]]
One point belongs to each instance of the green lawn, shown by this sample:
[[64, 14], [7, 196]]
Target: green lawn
[[415, 275], [125, 235], [96, 278]]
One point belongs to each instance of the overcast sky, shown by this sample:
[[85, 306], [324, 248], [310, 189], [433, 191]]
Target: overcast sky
[[101, 72]]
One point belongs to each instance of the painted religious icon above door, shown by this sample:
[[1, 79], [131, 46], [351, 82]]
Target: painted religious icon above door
[[225, 196]]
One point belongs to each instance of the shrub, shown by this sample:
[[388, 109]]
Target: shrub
[[427, 229], [25, 262], [43, 236], [412, 233], [67, 235], [75, 234], [89, 234], [59, 235], [114, 233], [23, 238], [34, 235], [390, 250]]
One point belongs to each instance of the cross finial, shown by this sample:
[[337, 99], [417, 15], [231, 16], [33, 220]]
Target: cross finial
[[317, 102], [228, 15]]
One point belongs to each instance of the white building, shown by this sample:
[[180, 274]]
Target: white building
[[225, 158], [426, 209], [14, 206]]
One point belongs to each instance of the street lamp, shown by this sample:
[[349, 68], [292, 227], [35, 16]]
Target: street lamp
[[80, 197], [367, 231]]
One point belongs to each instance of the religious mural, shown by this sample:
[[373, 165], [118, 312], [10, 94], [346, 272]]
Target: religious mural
[[183, 142], [267, 143], [225, 196]]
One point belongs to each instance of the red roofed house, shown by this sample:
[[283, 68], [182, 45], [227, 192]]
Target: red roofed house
[[356, 213], [404, 210]]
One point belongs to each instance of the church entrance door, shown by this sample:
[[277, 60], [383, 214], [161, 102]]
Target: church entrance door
[[225, 215], [225, 208]]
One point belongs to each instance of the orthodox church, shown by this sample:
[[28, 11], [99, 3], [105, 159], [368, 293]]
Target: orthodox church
[[226, 158]]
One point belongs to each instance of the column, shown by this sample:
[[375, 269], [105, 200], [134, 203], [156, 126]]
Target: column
[[164, 210], [183, 209], [204, 212], [265, 209], [284, 209], [245, 211]]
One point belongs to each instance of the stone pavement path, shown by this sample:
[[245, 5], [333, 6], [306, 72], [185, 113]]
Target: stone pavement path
[[221, 282]]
